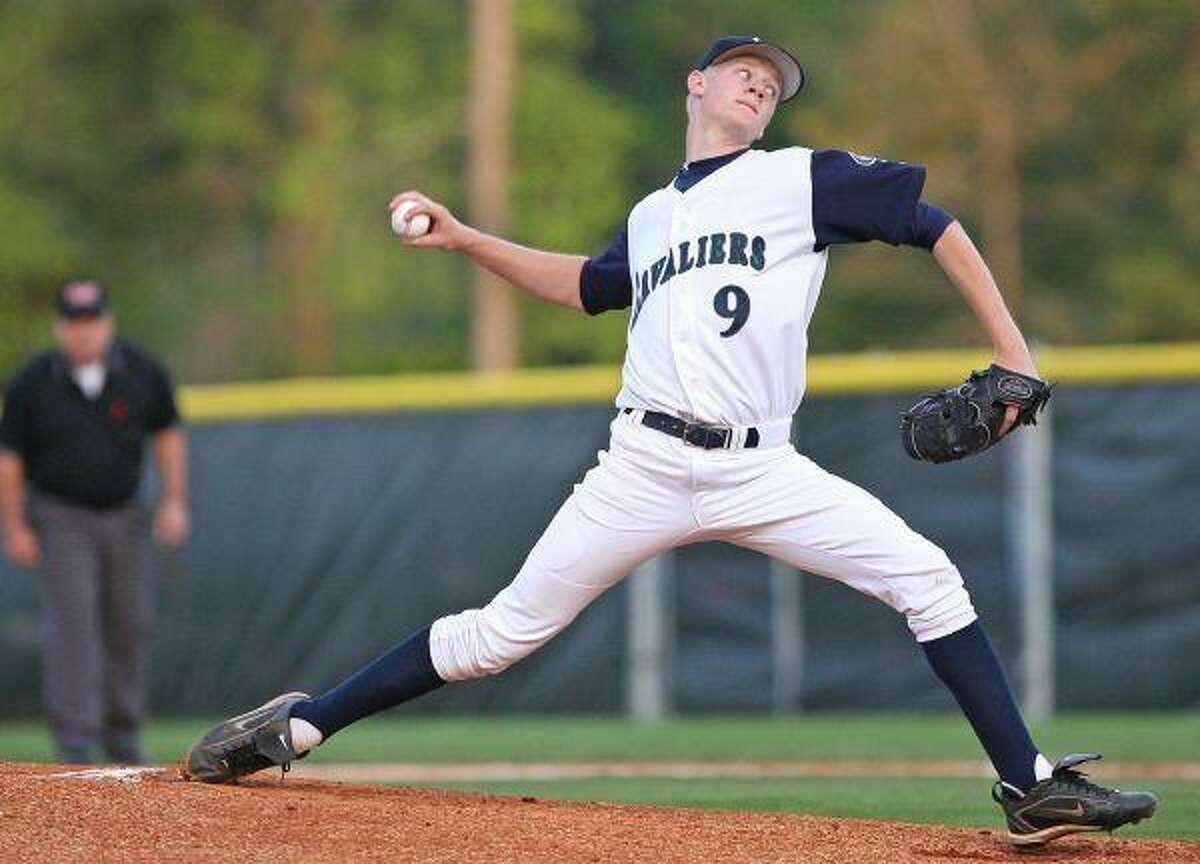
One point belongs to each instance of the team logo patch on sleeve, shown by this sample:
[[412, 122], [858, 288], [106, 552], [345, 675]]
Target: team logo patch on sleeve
[[864, 161]]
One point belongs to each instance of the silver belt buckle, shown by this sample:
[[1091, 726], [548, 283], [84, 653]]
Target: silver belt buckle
[[708, 437]]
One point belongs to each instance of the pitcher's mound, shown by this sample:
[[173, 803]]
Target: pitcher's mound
[[53, 814]]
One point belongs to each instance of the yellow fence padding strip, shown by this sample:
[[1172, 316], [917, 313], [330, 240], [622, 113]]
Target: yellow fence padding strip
[[829, 374], [387, 393]]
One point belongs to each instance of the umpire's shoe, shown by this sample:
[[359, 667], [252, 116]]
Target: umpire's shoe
[[242, 745], [1066, 803]]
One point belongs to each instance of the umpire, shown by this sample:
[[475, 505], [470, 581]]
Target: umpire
[[75, 423]]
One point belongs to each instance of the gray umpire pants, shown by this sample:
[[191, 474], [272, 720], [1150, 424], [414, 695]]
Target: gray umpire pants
[[97, 609]]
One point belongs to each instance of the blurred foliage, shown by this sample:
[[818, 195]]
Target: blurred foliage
[[225, 166]]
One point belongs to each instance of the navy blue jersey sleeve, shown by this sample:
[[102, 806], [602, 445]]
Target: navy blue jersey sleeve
[[929, 224], [162, 412], [16, 432], [604, 281], [857, 198]]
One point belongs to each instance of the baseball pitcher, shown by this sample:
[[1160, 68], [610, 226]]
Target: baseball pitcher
[[720, 271]]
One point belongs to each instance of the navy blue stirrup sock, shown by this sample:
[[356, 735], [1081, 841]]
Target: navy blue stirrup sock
[[968, 666], [403, 673]]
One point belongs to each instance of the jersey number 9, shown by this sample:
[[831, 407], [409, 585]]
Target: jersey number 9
[[732, 302]]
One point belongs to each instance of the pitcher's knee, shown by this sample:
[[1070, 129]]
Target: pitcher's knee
[[942, 607], [472, 644]]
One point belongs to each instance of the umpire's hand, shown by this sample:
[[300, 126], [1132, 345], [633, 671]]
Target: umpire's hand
[[21, 544], [172, 524]]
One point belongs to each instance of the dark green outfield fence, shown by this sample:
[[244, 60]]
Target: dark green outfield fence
[[321, 541]]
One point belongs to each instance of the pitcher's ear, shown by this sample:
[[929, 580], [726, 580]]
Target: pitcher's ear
[[695, 82]]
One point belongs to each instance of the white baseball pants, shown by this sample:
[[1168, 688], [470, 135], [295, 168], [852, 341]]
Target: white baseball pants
[[651, 492]]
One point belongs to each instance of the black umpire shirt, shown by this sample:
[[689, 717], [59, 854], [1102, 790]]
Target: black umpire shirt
[[86, 451]]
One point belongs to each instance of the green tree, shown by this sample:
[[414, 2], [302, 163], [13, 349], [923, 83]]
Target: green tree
[[225, 166]]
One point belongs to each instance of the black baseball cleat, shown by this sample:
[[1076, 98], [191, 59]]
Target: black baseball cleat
[[242, 745], [1067, 803]]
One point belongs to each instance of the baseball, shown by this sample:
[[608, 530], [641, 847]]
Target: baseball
[[405, 227]]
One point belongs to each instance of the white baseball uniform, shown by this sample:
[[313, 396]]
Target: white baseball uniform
[[721, 270]]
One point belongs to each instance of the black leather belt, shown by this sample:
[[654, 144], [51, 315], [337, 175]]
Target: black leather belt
[[696, 434]]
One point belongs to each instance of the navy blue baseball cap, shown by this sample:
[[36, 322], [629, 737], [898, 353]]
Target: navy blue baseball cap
[[84, 298], [728, 47]]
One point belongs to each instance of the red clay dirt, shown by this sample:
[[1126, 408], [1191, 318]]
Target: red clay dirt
[[158, 817]]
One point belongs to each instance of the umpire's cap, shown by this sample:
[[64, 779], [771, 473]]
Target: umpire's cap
[[83, 298], [728, 47]]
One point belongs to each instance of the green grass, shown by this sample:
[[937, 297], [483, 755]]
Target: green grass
[[1143, 737], [1150, 737]]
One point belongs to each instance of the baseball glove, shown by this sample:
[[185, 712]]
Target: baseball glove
[[965, 420]]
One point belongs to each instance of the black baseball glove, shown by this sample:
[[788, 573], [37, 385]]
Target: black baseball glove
[[966, 419]]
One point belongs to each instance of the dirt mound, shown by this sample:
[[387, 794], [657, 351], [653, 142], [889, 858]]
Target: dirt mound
[[50, 814]]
